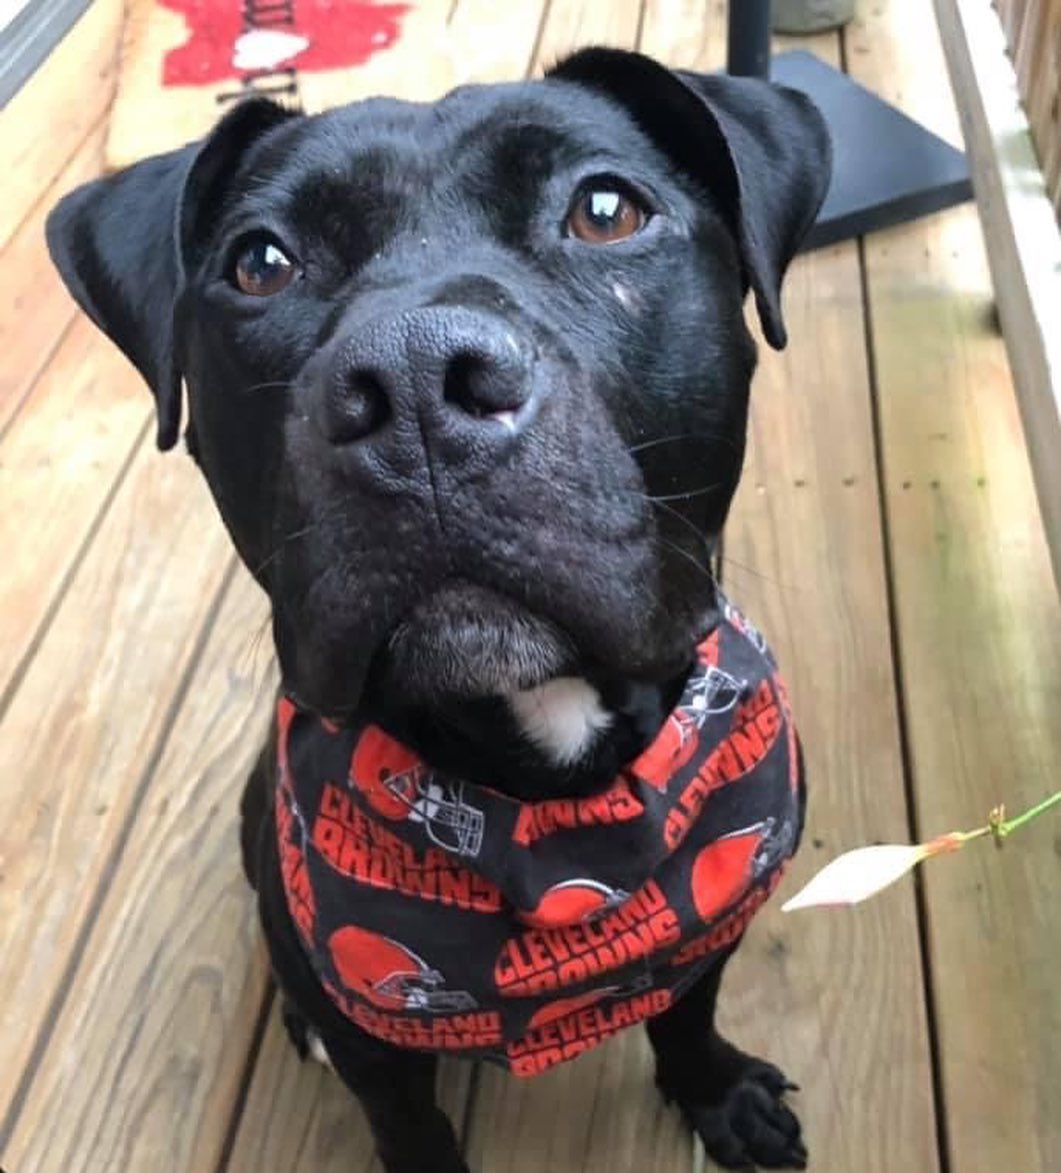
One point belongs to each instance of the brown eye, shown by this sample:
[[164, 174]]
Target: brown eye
[[263, 268], [603, 215]]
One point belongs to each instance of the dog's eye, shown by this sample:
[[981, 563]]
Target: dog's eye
[[604, 215], [262, 268]]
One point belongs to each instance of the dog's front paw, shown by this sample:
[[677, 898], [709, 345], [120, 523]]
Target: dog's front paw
[[749, 1123]]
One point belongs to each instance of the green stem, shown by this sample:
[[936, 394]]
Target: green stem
[[1010, 825]]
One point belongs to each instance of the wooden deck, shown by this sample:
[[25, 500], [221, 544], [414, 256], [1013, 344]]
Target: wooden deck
[[886, 536]]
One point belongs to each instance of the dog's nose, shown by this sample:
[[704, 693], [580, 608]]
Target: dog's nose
[[456, 373]]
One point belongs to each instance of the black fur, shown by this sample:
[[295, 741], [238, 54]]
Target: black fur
[[423, 558]]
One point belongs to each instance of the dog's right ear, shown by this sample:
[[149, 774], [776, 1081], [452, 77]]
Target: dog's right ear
[[117, 243], [762, 150]]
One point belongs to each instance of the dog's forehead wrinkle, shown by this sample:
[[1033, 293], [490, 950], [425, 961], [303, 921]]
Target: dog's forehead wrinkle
[[456, 132], [482, 161]]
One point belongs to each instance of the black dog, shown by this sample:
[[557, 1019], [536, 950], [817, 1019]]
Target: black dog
[[469, 384]]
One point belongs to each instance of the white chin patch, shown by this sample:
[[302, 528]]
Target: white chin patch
[[561, 717]]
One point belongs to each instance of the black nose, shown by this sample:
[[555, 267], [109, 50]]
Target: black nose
[[462, 377]]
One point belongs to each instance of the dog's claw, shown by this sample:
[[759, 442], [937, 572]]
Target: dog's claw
[[752, 1126]]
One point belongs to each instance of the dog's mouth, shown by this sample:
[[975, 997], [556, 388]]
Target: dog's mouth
[[469, 641]]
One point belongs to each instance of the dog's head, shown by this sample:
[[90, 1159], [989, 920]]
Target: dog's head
[[468, 380]]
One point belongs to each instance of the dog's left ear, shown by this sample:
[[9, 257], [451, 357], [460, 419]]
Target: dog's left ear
[[760, 149], [120, 244]]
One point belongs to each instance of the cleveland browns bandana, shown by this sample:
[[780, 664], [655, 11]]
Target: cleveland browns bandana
[[444, 916]]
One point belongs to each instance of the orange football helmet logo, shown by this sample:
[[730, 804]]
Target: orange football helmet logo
[[724, 869], [397, 785], [572, 901], [391, 977]]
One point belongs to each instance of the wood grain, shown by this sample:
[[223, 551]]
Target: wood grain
[[82, 726], [598, 1113], [836, 1000], [494, 41], [979, 629], [149, 118], [157, 1020], [1033, 35], [146, 119], [421, 66], [35, 309], [59, 461], [571, 24], [1022, 235], [49, 118]]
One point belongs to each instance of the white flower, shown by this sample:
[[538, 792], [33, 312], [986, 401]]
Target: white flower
[[857, 875]]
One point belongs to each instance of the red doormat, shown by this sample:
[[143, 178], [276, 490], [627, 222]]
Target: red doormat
[[184, 62]]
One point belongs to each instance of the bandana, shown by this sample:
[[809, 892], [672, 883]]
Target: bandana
[[446, 916]]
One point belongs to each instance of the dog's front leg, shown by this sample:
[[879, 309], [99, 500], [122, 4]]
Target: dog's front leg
[[733, 1101], [256, 806], [396, 1088]]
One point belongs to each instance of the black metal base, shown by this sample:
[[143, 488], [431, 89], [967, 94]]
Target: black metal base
[[886, 169]]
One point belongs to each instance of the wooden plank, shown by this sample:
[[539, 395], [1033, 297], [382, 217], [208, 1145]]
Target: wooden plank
[[493, 41], [423, 40], [149, 116], [35, 309], [599, 1113], [1022, 235], [1044, 100], [1033, 38], [60, 460], [49, 118], [803, 554], [83, 723], [173, 977], [571, 25], [1009, 13], [1027, 45], [979, 628]]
